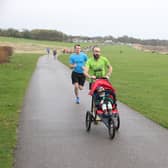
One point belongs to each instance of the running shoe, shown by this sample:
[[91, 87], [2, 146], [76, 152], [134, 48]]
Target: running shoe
[[77, 100]]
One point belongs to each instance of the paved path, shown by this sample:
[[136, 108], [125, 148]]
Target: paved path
[[52, 129]]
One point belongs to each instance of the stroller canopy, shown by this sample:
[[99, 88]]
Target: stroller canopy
[[101, 82]]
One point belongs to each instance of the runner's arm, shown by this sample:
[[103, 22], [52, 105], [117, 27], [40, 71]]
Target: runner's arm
[[72, 65], [86, 73], [110, 69]]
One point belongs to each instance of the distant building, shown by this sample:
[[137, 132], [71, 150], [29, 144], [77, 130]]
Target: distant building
[[108, 41]]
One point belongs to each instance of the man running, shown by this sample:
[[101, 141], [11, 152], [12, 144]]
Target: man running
[[77, 62], [96, 66]]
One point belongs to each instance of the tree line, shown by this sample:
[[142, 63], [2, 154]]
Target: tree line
[[54, 35], [37, 34]]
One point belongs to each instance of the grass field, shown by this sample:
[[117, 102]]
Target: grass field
[[21, 45], [140, 79], [14, 79], [22, 40]]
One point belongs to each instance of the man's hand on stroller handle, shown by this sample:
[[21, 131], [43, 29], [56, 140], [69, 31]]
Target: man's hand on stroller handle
[[92, 77], [103, 77]]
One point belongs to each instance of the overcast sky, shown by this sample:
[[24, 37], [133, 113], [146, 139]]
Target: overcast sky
[[136, 18]]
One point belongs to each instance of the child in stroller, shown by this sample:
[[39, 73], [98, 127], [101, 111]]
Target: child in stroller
[[104, 97], [103, 100], [103, 106]]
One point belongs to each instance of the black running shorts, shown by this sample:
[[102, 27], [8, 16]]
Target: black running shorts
[[78, 78]]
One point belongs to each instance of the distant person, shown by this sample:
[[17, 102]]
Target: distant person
[[48, 51], [77, 62], [55, 53]]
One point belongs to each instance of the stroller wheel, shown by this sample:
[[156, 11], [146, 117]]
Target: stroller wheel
[[111, 128], [117, 121], [88, 121]]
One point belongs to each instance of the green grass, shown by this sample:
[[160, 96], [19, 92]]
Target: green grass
[[141, 80], [38, 42], [22, 40], [14, 79]]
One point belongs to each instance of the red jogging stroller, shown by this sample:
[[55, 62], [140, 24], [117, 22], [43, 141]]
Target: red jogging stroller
[[103, 106]]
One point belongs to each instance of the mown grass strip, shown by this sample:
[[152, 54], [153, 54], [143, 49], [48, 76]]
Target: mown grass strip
[[14, 79]]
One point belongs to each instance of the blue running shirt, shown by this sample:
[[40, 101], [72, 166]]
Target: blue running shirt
[[78, 59]]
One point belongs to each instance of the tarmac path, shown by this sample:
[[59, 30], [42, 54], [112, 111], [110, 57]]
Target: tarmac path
[[52, 129]]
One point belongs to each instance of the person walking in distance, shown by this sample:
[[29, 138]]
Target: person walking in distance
[[48, 51], [54, 53], [77, 62]]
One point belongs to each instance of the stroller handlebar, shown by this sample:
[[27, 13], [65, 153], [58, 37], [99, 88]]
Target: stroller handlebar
[[96, 78]]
